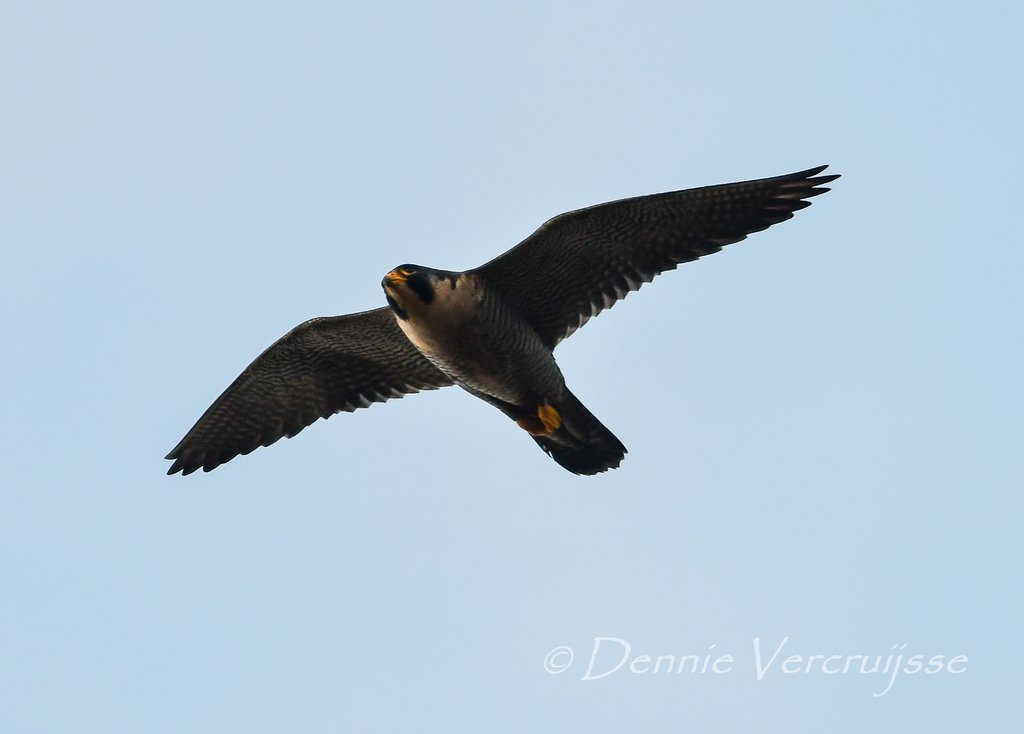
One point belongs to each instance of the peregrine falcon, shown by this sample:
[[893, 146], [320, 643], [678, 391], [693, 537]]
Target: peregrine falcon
[[490, 330]]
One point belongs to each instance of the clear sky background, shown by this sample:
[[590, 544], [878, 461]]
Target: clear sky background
[[824, 422]]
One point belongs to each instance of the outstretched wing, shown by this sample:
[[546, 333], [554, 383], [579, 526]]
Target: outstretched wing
[[581, 262], [317, 369]]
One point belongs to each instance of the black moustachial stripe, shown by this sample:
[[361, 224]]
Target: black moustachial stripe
[[399, 311], [419, 285]]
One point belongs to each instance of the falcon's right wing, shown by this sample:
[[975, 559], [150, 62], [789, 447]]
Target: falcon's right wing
[[317, 369]]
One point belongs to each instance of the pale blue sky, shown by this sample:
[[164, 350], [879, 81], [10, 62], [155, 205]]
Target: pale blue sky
[[824, 422]]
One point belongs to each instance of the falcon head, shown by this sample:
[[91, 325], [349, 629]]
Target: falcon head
[[410, 289]]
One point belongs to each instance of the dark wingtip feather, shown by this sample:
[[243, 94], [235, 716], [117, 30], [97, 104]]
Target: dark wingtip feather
[[810, 176], [186, 462], [810, 172]]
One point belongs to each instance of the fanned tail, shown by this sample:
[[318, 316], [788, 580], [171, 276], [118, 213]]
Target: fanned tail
[[581, 443]]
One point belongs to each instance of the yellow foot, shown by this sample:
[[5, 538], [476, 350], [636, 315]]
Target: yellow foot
[[546, 421], [549, 417]]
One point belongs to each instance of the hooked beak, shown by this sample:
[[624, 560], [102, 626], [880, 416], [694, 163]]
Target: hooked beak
[[392, 278]]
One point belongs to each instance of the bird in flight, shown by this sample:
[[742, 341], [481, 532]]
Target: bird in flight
[[491, 330]]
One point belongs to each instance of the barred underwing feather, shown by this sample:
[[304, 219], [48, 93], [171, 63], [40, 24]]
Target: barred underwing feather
[[570, 269], [319, 368]]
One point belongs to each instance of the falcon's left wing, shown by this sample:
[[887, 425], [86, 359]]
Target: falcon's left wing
[[581, 262]]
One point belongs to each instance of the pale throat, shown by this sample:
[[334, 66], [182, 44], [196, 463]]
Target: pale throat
[[438, 328]]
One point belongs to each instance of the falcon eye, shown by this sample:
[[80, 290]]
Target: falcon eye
[[405, 271]]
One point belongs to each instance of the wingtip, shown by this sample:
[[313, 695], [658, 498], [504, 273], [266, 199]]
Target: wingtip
[[801, 179], [811, 171], [179, 465], [174, 455]]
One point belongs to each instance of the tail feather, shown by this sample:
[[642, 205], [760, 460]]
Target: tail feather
[[581, 444]]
